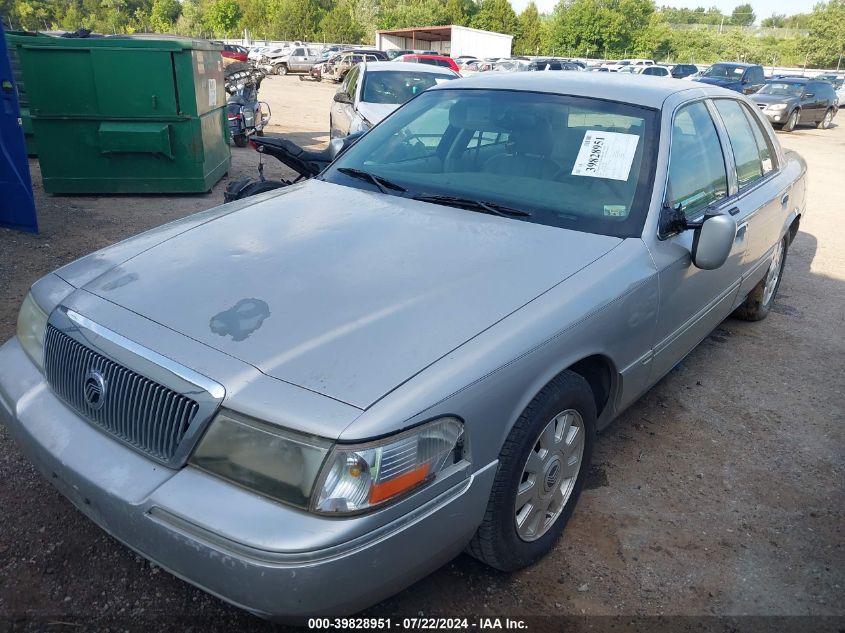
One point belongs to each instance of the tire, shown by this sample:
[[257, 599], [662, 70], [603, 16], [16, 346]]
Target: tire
[[760, 300], [503, 540], [281, 69], [240, 140], [791, 121], [826, 121], [260, 187]]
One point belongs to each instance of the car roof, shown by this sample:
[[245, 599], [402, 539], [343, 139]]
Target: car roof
[[625, 88], [797, 80], [410, 67], [426, 56], [739, 64]]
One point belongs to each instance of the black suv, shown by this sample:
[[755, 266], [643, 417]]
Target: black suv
[[788, 101], [679, 71]]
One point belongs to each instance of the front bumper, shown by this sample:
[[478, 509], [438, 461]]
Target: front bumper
[[776, 116], [213, 534]]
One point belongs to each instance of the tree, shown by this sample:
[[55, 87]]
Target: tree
[[339, 24], [164, 14], [460, 12], [191, 21], [295, 19], [743, 15], [826, 41], [776, 20], [495, 15], [530, 31], [655, 40], [221, 17]]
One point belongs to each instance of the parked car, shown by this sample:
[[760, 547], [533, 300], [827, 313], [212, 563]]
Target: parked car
[[291, 60], [617, 66], [792, 100], [550, 64], [741, 77], [380, 56], [679, 71], [431, 60], [474, 66], [304, 402], [838, 82], [338, 69], [372, 91], [391, 55], [653, 71], [256, 52], [232, 51]]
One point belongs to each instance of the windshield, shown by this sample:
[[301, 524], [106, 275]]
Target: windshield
[[397, 86], [725, 71], [572, 162], [782, 88]]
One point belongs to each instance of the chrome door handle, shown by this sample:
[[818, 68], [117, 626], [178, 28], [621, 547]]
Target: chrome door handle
[[785, 199]]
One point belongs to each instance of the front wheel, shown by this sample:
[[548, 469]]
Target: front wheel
[[791, 121], [760, 300], [281, 69], [825, 123], [542, 467]]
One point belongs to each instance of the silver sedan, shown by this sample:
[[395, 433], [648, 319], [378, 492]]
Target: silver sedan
[[305, 401]]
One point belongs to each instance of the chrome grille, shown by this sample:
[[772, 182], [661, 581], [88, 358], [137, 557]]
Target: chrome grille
[[137, 410]]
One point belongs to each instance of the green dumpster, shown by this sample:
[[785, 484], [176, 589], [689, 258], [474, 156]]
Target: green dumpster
[[127, 115], [14, 40]]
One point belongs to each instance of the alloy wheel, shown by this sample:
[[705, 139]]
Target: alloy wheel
[[549, 475], [773, 275]]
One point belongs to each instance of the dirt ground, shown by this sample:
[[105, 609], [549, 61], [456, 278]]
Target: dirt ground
[[719, 493]]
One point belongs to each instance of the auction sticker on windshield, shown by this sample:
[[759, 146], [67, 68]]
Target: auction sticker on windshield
[[606, 155]]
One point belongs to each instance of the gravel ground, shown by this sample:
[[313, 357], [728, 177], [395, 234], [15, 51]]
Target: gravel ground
[[719, 493]]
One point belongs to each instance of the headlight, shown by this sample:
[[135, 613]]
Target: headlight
[[359, 477], [274, 462], [777, 107], [32, 323]]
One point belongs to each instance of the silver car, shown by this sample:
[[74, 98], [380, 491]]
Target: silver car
[[305, 401], [372, 90]]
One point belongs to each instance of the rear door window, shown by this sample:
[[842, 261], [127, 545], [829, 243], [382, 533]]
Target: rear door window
[[749, 166]]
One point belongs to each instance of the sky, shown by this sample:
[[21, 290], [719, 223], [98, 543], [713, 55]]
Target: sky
[[762, 8]]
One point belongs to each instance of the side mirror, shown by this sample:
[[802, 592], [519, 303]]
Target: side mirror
[[713, 240], [339, 145], [342, 97]]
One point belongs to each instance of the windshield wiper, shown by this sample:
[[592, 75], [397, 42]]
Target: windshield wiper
[[493, 208], [382, 183]]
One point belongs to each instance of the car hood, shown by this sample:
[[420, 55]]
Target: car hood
[[722, 82], [375, 112], [767, 99], [341, 291]]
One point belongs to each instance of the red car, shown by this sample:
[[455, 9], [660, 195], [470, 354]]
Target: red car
[[232, 51], [433, 60]]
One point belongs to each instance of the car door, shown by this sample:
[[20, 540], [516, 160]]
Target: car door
[[342, 113], [816, 99], [296, 62], [753, 80], [761, 200], [692, 301]]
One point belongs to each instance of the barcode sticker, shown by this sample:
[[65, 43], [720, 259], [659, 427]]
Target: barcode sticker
[[606, 155]]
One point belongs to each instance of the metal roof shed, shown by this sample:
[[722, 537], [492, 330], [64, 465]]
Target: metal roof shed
[[450, 40]]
